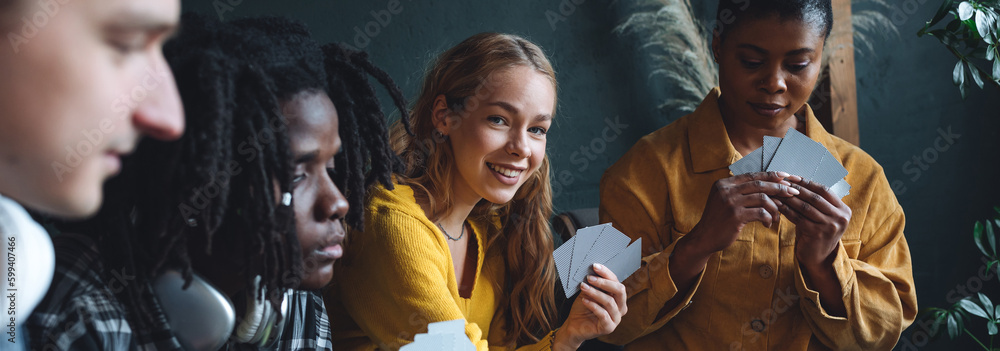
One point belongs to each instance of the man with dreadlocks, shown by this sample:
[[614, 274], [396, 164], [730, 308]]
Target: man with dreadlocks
[[246, 203]]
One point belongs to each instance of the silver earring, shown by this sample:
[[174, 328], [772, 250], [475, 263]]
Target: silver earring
[[286, 199]]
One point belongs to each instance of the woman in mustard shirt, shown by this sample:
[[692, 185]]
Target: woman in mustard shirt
[[761, 261], [464, 231]]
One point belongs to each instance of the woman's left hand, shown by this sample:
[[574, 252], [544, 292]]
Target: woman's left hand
[[597, 310], [820, 219]]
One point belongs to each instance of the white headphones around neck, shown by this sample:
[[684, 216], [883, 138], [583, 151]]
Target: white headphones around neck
[[203, 318]]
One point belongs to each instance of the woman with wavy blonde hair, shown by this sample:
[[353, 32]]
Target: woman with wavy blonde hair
[[464, 233]]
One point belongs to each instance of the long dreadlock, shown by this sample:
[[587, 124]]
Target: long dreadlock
[[220, 182]]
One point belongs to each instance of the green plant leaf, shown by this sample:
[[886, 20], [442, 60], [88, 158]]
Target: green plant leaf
[[987, 306], [989, 266], [941, 12], [973, 308], [944, 36], [996, 68], [990, 50], [997, 208], [989, 236], [977, 236], [965, 10], [954, 25], [952, 326], [996, 312], [984, 25], [970, 25], [991, 326], [958, 76], [975, 75]]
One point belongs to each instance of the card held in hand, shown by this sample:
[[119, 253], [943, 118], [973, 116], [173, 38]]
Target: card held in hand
[[601, 244]]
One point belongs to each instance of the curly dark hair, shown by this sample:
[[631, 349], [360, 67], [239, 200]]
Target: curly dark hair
[[224, 178]]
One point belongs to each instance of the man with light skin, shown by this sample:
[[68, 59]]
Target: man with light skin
[[80, 82]]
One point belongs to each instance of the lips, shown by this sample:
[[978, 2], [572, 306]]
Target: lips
[[331, 252], [767, 109], [507, 171], [333, 247]]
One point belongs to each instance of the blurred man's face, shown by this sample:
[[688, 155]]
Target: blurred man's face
[[80, 82]]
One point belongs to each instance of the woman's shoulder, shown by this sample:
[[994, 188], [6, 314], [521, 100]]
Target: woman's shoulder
[[855, 159], [399, 197], [394, 211]]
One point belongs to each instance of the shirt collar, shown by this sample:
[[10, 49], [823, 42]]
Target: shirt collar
[[706, 130]]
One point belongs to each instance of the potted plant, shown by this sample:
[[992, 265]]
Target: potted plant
[[959, 317], [971, 35]]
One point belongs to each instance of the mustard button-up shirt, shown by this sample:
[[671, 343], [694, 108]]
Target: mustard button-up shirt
[[752, 295]]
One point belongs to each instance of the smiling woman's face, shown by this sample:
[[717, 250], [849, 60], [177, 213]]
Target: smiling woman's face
[[768, 67], [319, 206], [499, 144]]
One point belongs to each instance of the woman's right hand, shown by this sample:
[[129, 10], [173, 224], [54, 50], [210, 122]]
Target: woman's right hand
[[735, 201], [596, 312]]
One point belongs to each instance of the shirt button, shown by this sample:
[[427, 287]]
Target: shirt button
[[765, 271], [757, 325]]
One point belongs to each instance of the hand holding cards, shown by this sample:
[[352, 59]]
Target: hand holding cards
[[796, 154], [597, 244]]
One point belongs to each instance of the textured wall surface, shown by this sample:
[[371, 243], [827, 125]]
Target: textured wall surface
[[607, 101]]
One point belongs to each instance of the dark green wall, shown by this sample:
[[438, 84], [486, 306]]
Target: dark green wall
[[904, 92]]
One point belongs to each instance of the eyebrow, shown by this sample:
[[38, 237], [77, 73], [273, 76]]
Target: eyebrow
[[513, 110], [131, 19], [761, 50], [510, 108], [307, 157]]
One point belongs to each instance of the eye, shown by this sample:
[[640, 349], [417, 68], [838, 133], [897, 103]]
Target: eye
[[298, 179], [798, 67], [127, 42], [538, 130], [751, 64], [497, 120]]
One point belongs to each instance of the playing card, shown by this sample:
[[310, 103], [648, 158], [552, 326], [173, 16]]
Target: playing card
[[770, 147], [841, 189], [626, 262], [609, 244], [597, 244], [585, 239], [454, 326], [829, 171], [448, 335], [562, 257], [797, 155], [434, 342], [748, 164]]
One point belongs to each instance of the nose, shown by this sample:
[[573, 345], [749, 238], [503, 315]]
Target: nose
[[330, 202], [773, 82], [517, 145], [160, 115]]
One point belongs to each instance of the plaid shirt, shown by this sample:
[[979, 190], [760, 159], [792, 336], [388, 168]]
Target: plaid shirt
[[81, 312]]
